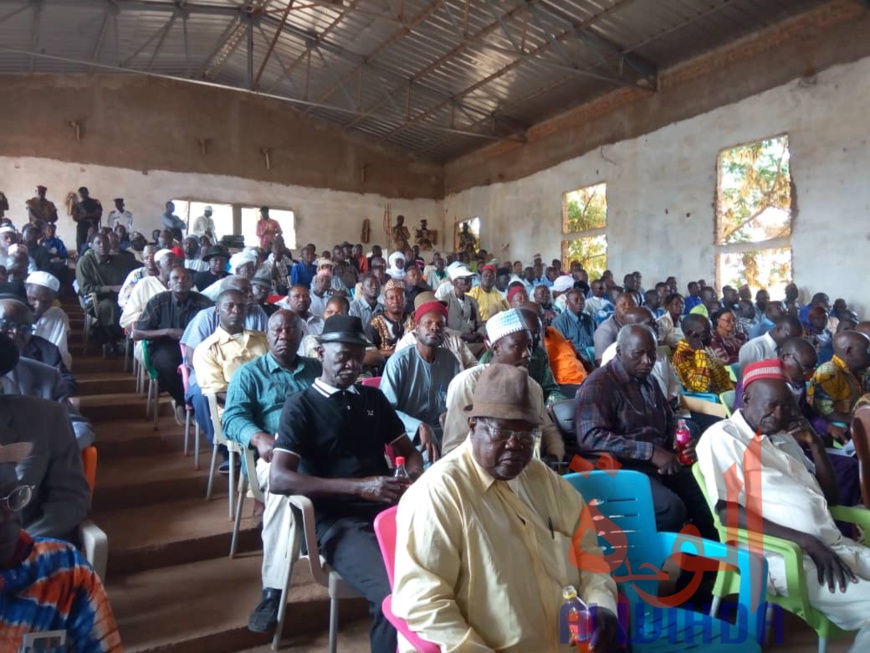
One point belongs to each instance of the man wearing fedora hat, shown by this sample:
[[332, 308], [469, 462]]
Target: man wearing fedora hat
[[416, 378], [330, 448], [216, 257], [464, 527]]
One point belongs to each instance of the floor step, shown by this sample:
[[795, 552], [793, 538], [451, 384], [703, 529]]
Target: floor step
[[158, 478], [206, 610], [106, 383], [93, 363], [174, 533], [120, 405], [120, 440]]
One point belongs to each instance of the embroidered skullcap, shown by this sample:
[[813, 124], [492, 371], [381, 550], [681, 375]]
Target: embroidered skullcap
[[769, 369], [503, 324], [43, 279], [394, 283]]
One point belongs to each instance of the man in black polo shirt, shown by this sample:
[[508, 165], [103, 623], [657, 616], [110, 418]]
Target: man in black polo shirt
[[330, 448], [162, 323]]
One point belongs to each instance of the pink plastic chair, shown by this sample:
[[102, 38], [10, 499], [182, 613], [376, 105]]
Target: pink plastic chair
[[373, 382], [184, 371], [385, 531]]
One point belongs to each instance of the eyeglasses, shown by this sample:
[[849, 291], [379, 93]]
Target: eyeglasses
[[806, 369], [10, 326], [18, 498], [503, 435]]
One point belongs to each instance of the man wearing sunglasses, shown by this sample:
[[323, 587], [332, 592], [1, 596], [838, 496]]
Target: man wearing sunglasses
[[483, 537], [45, 585], [61, 497]]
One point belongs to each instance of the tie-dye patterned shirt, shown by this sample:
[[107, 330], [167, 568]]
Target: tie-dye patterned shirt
[[50, 586]]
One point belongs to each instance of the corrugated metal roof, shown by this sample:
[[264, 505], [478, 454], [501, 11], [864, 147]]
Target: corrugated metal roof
[[436, 78]]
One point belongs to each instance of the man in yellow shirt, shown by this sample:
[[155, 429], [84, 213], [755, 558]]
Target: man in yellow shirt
[[489, 299], [229, 347], [484, 538]]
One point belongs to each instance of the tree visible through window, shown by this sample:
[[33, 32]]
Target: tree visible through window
[[754, 211], [584, 220]]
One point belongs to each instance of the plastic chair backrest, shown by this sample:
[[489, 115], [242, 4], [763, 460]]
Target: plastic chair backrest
[[727, 398], [385, 531], [624, 501], [590, 354], [214, 415], [861, 438], [372, 382], [184, 371], [89, 464]]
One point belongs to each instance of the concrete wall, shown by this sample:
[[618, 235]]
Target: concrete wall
[[661, 188], [323, 216], [154, 124]]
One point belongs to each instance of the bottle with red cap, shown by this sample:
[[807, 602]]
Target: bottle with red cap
[[682, 440], [400, 471]]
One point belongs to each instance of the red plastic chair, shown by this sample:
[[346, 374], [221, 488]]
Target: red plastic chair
[[385, 531], [373, 382]]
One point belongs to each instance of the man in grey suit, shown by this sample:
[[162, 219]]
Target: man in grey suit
[[61, 496]]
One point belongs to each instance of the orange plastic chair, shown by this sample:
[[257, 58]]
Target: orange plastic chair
[[89, 463]]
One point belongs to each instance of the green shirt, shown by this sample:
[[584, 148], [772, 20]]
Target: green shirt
[[540, 371], [257, 392]]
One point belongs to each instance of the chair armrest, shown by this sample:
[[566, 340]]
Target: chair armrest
[[251, 466], [309, 534], [752, 568], [421, 646], [853, 515], [95, 546]]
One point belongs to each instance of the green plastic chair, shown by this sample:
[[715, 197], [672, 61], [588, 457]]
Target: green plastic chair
[[796, 602], [727, 398], [152, 405]]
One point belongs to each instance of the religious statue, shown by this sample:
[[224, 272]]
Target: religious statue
[[39, 209], [467, 241], [400, 235], [426, 237]]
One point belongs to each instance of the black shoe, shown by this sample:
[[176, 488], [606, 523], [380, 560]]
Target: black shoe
[[264, 618], [224, 467]]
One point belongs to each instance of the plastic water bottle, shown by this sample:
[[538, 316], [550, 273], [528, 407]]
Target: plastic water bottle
[[400, 471], [682, 439], [575, 615]]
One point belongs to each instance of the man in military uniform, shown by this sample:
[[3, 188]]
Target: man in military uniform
[[39, 209], [87, 213]]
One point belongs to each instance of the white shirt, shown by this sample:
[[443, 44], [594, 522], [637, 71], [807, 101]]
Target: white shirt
[[195, 264], [668, 333], [758, 349], [117, 217], [54, 327], [318, 304]]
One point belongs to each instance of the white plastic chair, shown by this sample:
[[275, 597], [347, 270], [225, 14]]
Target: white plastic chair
[[246, 482], [95, 546], [320, 571], [234, 448], [89, 320]]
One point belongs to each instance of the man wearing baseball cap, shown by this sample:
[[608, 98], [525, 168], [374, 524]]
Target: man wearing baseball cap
[[464, 527], [790, 496], [487, 296], [416, 378], [330, 447]]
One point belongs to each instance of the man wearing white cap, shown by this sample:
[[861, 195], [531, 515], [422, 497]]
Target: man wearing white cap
[[149, 287], [463, 313], [51, 321], [204, 225], [242, 264], [511, 341]]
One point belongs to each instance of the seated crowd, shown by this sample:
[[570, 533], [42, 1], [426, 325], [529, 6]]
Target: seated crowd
[[465, 360]]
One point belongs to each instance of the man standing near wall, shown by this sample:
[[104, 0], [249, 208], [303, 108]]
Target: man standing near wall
[[120, 216], [172, 222], [267, 229], [40, 209], [204, 225], [87, 213]]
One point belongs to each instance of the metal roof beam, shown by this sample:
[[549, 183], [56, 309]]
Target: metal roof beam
[[228, 33], [256, 83], [159, 45], [24, 7], [34, 33]]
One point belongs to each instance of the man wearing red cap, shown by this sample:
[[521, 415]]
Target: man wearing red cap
[[416, 378], [790, 497], [487, 296]]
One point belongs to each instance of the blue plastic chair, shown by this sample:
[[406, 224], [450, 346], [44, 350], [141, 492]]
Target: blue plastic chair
[[624, 501], [706, 396]]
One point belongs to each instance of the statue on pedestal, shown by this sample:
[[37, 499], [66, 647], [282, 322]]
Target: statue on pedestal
[[400, 235], [426, 237], [467, 242]]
